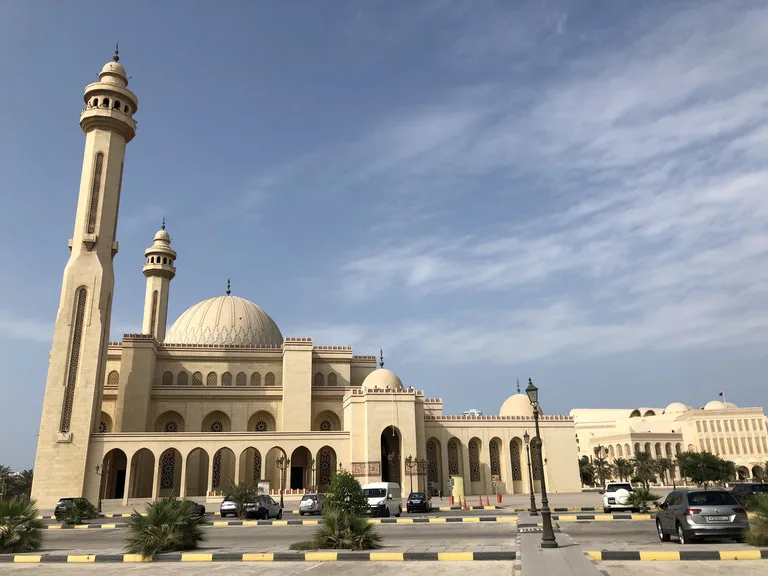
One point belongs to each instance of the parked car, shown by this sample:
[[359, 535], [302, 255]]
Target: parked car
[[63, 504], [384, 498], [264, 508], [616, 496], [418, 502], [691, 514], [746, 492], [311, 504], [197, 509], [227, 508]]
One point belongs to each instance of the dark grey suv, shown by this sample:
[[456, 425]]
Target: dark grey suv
[[691, 514]]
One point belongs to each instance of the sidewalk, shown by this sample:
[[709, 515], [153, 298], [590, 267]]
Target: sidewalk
[[566, 560]]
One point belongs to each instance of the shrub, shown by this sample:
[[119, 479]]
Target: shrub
[[79, 511], [20, 530], [241, 494], [641, 499], [344, 531], [346, 494], [169, 526], [758, 533]]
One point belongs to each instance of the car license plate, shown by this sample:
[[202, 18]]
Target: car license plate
[[718, 518], [415, 501]]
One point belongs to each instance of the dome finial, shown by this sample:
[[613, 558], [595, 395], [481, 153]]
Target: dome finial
[[518, 385], [228, 288], [162, 227], [116, 57], [381, 358]]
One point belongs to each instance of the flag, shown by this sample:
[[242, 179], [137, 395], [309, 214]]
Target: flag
[[721, 394]]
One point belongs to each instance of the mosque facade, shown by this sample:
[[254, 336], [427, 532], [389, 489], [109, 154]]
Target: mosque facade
[[221, 396]]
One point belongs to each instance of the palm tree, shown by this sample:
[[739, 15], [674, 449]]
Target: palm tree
[[20, 530], [645, 467], [169, 526], [345, 531], [586, 471], [663, 466], [604, 470], [623, 468], [241, 494], [758, 533]]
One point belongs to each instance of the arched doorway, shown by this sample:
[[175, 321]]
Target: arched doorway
[[301, 469], [326, 468], [390, 455], [494, 452], [223, 470], [434, 467], [197, 473], [113, 474], [757, 473], [250, 466], [271, 471], [742, 473], [142, 474], [516, 458], [170, 473]]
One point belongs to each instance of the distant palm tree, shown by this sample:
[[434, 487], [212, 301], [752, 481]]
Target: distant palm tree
[[645, 467], [586, 471], [664, 465], [624, 469]]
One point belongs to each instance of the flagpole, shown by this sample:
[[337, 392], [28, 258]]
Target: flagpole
[[724, 400]]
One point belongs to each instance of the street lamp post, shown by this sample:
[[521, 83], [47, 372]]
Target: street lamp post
[[282, 464], [410, 464], [548, 534], [532, 510], [101, 471], [312, 469]]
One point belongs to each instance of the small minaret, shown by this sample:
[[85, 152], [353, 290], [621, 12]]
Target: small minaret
[[159, 270]]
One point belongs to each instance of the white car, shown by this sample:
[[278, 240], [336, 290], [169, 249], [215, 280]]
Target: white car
[[616, 496], [384, 499]]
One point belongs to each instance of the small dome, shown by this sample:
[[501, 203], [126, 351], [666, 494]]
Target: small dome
[[382, 379], [225, 320], [163, 237], [114, 73], [517, 405], [677, 408], [719, 405]]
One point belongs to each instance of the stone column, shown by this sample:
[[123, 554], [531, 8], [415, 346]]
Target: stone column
[[183, 487], [156, 479], [127, 487]]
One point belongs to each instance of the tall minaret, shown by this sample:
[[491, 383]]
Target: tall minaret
[[81, 333], [159, 270]]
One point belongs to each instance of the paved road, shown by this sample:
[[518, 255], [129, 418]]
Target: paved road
[[632, 535], [710, 568], [415, 538]]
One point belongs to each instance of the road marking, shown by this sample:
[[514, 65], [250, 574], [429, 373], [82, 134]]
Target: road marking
[[81, 559], [320, 556], [262, 557], [136, 558], [386, 556], [740, 555], [26, 559], [196, 557], [455, 556]]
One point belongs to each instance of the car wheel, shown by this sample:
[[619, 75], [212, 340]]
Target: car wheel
[[386, 512], [301, 513], [279, 515], [399, 511], [607, 510], [662, 535], [682, 536]]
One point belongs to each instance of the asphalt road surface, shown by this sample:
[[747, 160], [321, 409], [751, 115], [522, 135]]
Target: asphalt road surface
[[633, 535], [489, 536]]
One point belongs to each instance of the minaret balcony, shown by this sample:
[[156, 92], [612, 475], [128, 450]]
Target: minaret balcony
[[109, 119]]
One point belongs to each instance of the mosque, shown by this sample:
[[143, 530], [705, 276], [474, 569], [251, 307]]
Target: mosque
[[222, 396]]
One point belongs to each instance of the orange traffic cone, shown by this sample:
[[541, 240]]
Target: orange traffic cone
[[481, 501], [487, 502], [451, 501]]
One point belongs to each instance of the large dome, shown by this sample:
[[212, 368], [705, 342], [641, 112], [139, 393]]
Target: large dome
[[517, 405], [718, 405], [383, 379], [225, 320], [677, 408]]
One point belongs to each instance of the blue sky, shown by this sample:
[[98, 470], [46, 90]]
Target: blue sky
[[572, 191]]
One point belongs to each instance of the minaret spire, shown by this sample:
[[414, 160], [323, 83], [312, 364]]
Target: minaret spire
[[381, 358], [228, 288], [518, 385], [116, 57], [162, 227]]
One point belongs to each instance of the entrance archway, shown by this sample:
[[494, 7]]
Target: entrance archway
[[170, 473], [142, 474], [223, 470], [271, 471], [113, 474], [250, 466], [390, 455], [301, 470], [197, 473]]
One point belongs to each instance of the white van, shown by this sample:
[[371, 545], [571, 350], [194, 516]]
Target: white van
[[384, 498]]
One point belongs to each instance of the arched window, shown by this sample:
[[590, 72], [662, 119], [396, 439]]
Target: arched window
[[619, 451], [269, 379], [182, 379], [167, 379], [325, 426], [255, 379], [211, 379], [197, 379], [637, 448], [226, 379], [116, 105], [319, 380], [217, 426], [332, 379], [432, 474], [515, 447], [171, 426], [165, 260], [240, 380], [74, 359], [168, 470], [106, 102], [95, 192], [326, 465], [95, 101], [102, 427], [536, 467], [261, 426], [114, 378], [126, 109], [495, 458], [474, 461], [453, 457]]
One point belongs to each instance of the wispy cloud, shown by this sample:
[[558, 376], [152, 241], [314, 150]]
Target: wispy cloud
[[616, 205]]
